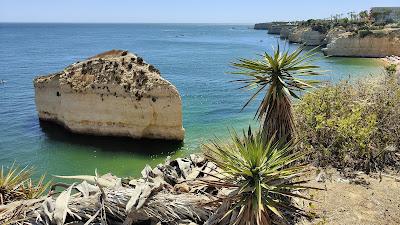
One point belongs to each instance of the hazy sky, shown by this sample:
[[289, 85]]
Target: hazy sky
[[178, 11]]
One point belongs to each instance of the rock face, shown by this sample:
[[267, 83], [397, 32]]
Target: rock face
[[348, 44], [332, 34], [385, 14], [261, 26], [275, 29], [285, 31], [114, 93], [307, 36], [295, 35]]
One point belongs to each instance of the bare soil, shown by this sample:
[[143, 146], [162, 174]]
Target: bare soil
[[358, 199]]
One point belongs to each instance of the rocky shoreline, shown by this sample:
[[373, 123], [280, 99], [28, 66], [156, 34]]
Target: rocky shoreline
[[373, 34], [339, 42]]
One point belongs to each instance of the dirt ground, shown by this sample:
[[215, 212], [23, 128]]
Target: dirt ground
[[356, 200]]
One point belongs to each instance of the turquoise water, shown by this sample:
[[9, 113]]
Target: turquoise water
[[194, 57]]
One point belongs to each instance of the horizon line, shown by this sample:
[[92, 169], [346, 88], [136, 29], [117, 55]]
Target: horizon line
[[52, 22]]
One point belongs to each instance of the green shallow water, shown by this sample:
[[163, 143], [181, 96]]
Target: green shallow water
[[194, 57]]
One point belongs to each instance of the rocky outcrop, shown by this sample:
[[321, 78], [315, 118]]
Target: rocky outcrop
[[275, 29], [332, 34], [295, 35], [285, 31], [261, 26], [306, 36], [268, 26], [278, 28], [373, 45], [115, 93]]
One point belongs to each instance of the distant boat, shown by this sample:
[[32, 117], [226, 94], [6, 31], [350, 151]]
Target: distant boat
[[3, 81]]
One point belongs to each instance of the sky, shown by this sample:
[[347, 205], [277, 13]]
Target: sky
[[178, 11]]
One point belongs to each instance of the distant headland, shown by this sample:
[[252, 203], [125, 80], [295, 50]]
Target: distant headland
[[374, 33]]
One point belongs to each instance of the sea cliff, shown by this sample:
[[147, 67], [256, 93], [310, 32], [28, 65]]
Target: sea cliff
[[115, 93], [373, 45]]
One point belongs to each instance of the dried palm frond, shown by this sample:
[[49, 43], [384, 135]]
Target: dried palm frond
[[105, 199]]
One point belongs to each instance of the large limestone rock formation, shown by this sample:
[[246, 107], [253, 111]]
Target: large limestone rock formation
[[373, 45], [332, 34], [115, 93], [275, 29], [306, 36], [285, 31], [261, 26]]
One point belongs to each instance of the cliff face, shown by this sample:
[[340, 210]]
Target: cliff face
[[332, 34], [306, 35], [285, 31], [275, 29], [348, 44], [115, 93], [261, 26]]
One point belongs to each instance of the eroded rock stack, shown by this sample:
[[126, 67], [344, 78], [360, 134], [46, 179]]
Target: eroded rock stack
[[115, 93]]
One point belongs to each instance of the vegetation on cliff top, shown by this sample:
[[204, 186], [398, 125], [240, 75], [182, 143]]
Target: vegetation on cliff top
[[352, 125]]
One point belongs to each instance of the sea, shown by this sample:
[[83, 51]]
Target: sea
[[196, 58]]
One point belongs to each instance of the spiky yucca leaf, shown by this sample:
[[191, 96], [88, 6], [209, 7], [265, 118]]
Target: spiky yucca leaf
[[10, 182], [260, 175], [17, 184], [32, 189], [280, 75]]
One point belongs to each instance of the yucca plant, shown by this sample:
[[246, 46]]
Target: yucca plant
[[17, 184], [32, 189], [281, 77], [262, 179]]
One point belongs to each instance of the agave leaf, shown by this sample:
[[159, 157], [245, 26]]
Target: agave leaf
[[262, 173]]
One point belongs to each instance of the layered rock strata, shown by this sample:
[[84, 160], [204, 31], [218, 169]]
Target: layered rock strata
[[115, 93], [373, 45], [306, 36]]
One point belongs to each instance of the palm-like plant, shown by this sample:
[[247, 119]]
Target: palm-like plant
[[260, 176], [17, 184], [281, 75]]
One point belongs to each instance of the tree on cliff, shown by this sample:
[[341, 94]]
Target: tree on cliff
[[280, 76]]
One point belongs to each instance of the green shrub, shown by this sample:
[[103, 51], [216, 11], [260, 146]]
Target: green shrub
[[380, 33], [364, 33], [391, 69], [352, 125]]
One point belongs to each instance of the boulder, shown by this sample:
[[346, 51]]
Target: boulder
[[115, 93]]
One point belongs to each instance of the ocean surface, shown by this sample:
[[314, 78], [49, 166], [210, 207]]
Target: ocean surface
[[194, 57]]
